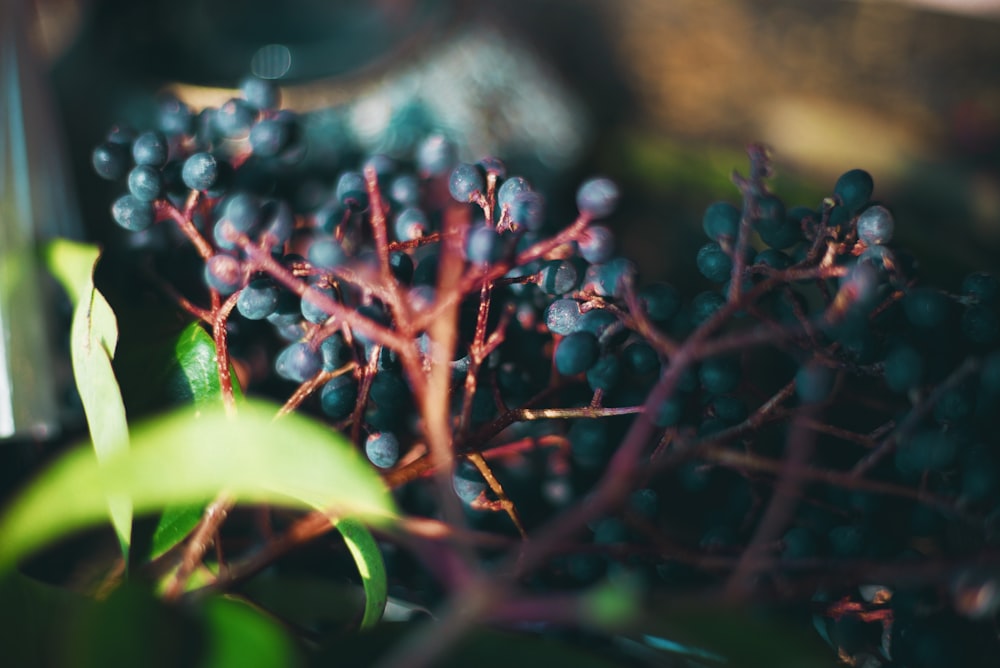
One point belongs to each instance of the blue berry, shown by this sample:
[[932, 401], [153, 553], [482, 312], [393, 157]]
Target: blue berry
[[597, 197], [562, 316], [150, 148], [133, 213], [605, 373], [669, 412], [597, 245], [492, 165], [720, 375], [435, 156], [258, 299], [224, 273], [714, 263], [338, 397], [110, 160], [527, 209], [335, 351], [382, 449], [467, 483], [597, 321], [261, 93], [704, 305], [854, 189], [405, 190], [483, 245], [721, 220], [298, 362], [773, 258], [609, 279], [640, 359], [982, 286], [576, 353], [589, 443], [269, 137], [326, 253], [558, 277], [313, 312], [875, 225], [411, 224], [466, 182], [511, 188], [277, 221], [200, 171], [926, 450], [661, 301], [234, 118], [145, 182], [175, 118], [352, 191]]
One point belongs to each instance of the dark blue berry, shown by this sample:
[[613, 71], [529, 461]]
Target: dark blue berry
[[277, 221], [720, 375], [261, 93], [258, 299], [904, 368], [562, 316], [269, 137], [813, 382], [714, 263], [704, 305], [466, 182], [326, 253], [224, 273], [338, 396], [150, 148], [133, 213], [597, 197], [527, 209], [175, 118], [875, 225], [854, 188], [145, 182], [981, 286], [640, 359], [234, 118], [411, 224], [491, 165], [597, 321], [405, 190], [926, 307], [382, 449], [483, 245], [436, 156], [335, 351], [597, 245], [604, 374], [352, 191], [298, 362], [558, 277], [661, 301], [110, 160], [200, 171], [721, 220], [576, 353], [311, 311], [979, 324], [510, 189]]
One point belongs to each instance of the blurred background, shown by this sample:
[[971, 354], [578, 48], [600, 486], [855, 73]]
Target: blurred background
[[662, 95]]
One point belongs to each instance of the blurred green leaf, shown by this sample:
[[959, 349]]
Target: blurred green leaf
[[371, 567], [93, 338], [175, 524], [189, 457]]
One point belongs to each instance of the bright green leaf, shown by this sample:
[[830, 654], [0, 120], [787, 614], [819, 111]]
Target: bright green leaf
[[293, 462], [93, 338], [368, 558], [174, 525]]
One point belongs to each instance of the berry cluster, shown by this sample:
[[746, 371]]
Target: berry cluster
[[817, 420]]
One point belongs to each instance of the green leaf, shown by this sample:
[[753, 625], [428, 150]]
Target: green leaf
[[371, 567], [189, 457], [93, 338], [193, 375]]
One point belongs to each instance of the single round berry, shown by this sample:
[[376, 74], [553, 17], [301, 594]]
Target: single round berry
[[410, 224], [576, 353], [382, 449], [813, 382], [981, 286], [609, 279], [562, 315], [145, 182], [435, 156], [483, 245], [224, 273], [597, 197], [261, 93], [175, 118], [269, 137], [311, 310], [704, 305], [875, 225], [150, 148], [854, 189], [926, 307], [405, 190], [527, 209], [277, 221], [720, 375], [466, 182], [661, 301], [200, 171], [326, 253], [598, 322], [721, 220], [338, 396], [110, 160], [597, 244], [352, 191], [605, 373], [510, 188], [258, 299], [904, 368], [494, 166], [133, 213], [335, 351], [714, 263], [298, 362], [234, 119], [558, 277], [467, 483], [640, 359]]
